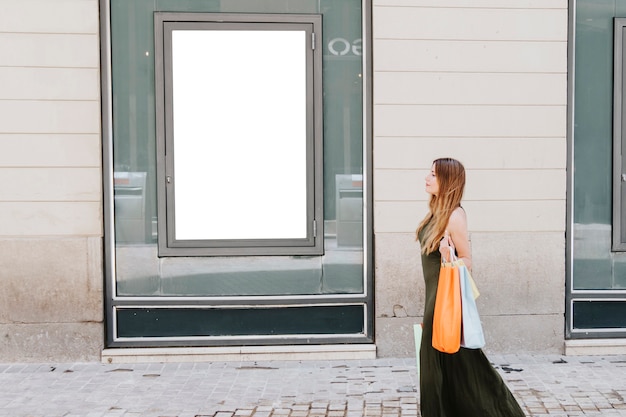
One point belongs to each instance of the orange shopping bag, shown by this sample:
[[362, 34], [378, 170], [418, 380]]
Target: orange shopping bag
[[448, 312]]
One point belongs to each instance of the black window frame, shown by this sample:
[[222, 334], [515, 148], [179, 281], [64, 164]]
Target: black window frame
[[619, 138]]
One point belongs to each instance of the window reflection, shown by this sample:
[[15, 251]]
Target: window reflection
[[139, 270]]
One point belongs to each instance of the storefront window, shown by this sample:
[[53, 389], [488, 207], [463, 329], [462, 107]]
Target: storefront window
[[595, 266], [335, 275], [596, 297]]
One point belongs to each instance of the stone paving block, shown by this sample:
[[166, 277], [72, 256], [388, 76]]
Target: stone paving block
[[264, 408], [114, 413], [372, 411]]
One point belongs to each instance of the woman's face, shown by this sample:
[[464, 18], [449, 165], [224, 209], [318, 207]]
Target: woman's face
[[432, 185]]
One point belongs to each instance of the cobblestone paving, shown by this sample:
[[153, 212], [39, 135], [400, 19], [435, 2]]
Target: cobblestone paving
[[546, 386]]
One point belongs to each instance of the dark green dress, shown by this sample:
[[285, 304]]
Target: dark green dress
[[463, 384]]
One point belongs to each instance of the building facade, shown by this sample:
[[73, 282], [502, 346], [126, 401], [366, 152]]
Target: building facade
[[237, 178]]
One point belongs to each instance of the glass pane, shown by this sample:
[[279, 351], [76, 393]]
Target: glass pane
[[240, 134], [186, 322], [592, 139], [599, 314], [139, 270]]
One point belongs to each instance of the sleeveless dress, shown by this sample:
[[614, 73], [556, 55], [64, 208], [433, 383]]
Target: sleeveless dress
[[463, 384]]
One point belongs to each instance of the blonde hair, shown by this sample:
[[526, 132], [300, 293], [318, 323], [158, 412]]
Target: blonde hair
[[450, 175]]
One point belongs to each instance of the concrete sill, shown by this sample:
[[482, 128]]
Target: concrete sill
[[240, 353], [591, 347]]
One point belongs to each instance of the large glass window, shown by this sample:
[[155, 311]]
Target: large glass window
[[597, 287], [275, 170], [595, 263]]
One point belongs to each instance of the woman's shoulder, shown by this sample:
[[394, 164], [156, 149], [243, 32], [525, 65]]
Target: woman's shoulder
[[459, 212], [458, 217]]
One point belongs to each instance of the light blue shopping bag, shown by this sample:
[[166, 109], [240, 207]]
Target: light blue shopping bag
[[472, 336]]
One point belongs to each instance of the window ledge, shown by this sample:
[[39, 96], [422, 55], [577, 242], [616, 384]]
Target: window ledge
[[240, 353], [582, 347]]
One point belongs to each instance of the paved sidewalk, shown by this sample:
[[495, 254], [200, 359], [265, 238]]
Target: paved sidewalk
[[545, 385]]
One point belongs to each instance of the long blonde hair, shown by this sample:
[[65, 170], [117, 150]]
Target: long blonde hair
[[450, 175]]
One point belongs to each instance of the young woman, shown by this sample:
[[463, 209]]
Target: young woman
[[463, 384]]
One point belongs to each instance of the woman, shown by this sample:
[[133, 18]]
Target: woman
[[463, 384]]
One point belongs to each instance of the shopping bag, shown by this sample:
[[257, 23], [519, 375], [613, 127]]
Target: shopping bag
[[417, 334], [472, 283], [472, 336], [447, 315]]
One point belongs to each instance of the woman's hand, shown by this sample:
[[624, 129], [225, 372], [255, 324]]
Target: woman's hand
[[446, 247]]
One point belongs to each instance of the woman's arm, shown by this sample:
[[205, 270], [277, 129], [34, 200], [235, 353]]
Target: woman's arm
[[457, 237]]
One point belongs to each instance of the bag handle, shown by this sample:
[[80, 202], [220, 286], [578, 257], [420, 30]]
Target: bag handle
[[453, 257]]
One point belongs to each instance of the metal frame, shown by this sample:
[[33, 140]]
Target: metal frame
[[276, 339], [112, 301], [619, 30], [313, 244], [368, 163], [569, 222], [586, 333], [107, 165]]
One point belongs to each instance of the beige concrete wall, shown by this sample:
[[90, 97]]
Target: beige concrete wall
[[50, 181], [485, 82]]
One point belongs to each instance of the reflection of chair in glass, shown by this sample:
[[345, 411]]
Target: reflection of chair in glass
[[349, 200], [130, 207]]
